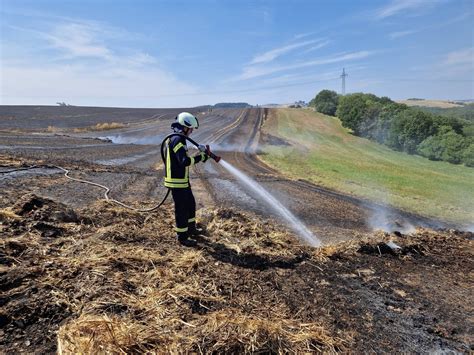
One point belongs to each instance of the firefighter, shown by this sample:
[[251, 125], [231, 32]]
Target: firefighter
[[177, 177]]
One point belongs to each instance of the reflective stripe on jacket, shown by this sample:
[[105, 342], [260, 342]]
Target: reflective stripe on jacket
[[178, 163]]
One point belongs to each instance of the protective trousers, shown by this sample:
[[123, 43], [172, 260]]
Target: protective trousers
[[184, 209]]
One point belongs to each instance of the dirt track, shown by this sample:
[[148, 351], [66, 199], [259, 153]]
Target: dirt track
[[277, 295]]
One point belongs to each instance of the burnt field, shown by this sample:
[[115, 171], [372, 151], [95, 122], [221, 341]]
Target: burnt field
[[41, 117], [80, 275]]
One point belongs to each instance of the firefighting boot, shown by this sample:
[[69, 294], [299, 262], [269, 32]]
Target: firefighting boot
[[194, 230], [184, 240]]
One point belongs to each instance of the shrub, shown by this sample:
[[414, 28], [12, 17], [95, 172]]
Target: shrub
[[351, 110], [447, 145], [325, 102], [409, 128], [468, 155]]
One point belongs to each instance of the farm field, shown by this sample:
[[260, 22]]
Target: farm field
[[430, 103], [81, 275]]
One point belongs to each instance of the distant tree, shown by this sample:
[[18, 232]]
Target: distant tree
[[369, 120], [468, 130], [468, 155], [438, 137], [446, 145], [455, 124], [408, 129], [377, 121], [384, 100], [325, 102], [351, 110]]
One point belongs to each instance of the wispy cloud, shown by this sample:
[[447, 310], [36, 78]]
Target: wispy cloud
[[91, 85], [302, 35], [398, 34], [309, 75], [437, 25], [396, 7], [277, 52], [86, 64], [318, 46], [251, 72], [455, 65], [79, 40], [267, 16], [463, 56]]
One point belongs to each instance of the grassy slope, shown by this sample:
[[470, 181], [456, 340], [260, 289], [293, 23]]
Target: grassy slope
[[326, 154]]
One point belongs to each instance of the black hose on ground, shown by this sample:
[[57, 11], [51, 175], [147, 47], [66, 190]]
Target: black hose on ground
[[107, 190]]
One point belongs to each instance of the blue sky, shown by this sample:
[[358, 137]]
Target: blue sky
[[148, 53]]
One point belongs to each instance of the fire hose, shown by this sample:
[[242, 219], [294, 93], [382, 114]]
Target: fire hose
[[207, 151]]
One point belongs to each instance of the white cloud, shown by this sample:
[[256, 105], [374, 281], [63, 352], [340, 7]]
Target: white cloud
[[79, 40], [83, 68], [86, 85], [457, 65], [463, 56], [396, 7], [277, 52], [302, 35], [251, 72], [434, 26], [316, 47], [297, 80], [399, 34]]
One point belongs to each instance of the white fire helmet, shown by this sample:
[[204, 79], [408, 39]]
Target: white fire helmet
[[185, 119]]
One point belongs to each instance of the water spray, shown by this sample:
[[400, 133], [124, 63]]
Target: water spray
[[296, 225]]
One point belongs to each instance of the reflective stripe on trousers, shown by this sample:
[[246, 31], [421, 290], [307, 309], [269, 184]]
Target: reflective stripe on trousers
[[184, 208]]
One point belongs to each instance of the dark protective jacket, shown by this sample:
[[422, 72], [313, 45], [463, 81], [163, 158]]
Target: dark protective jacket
[[178, 162]]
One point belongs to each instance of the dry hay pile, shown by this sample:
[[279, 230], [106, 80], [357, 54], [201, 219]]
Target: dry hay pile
[[105, 279], [100, 127], [111, 280]]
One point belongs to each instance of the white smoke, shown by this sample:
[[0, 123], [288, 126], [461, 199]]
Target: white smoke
[[384, 219]]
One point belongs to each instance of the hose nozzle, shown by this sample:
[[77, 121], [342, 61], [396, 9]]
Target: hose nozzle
[[212, 155]]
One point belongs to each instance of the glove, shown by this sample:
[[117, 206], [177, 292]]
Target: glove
[[204, 157], [202, 148]]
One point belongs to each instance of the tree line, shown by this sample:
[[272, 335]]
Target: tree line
[[400, 127]]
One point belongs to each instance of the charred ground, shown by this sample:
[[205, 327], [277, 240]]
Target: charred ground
[[99, 277], [80, 275]]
